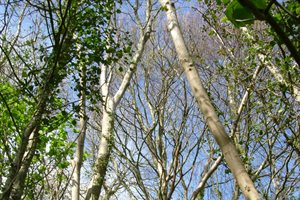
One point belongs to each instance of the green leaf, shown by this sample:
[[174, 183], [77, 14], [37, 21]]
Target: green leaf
[[24, 74], [63, 165], [73, 122], [260, 4], [238, 15], [226, 1], [164, 8], [298, 11]]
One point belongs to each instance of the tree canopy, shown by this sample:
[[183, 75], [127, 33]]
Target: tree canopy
[[153, 99]]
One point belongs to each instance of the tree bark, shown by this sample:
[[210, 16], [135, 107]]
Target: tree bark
[[18, 163], [77, 162], [19, 181], [109, 108], [106, 143], [227, 147], [18, 170]]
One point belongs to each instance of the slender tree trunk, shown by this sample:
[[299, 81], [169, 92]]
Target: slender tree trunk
[[14, 184], [33, 126], [227, 147], [18, 163], [77, 162], [18, 186], [106, 143], [200, 188], [109, 108], [161, 160]]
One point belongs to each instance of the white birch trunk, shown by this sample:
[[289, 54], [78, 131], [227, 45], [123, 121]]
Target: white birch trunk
[[228, 149], [106, 138], [107, 134]]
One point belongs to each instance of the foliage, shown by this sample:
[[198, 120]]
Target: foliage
[[16, 111], [162, 146], [282, 17], [239, 15]]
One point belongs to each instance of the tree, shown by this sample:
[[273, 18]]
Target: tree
[[102, 88], [228, 149], [50, 66], [52, 76], [110, 102], [161, 145]]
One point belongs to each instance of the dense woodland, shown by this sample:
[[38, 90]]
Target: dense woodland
[[149, 99]]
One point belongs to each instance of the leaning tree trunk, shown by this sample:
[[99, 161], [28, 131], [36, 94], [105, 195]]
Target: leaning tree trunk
[[109, 108], [14, 184], [227, 147], [19, 181]]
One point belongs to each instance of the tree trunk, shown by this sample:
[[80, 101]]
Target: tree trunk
[[77, 162], [107, 133], [105, 146], [18, 164], [14, 184], [227, 147], [18, 185]]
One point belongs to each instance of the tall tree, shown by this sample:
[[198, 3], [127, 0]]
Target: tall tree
[[61, 33], [229, 150], [110, 102], [78, 160]]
